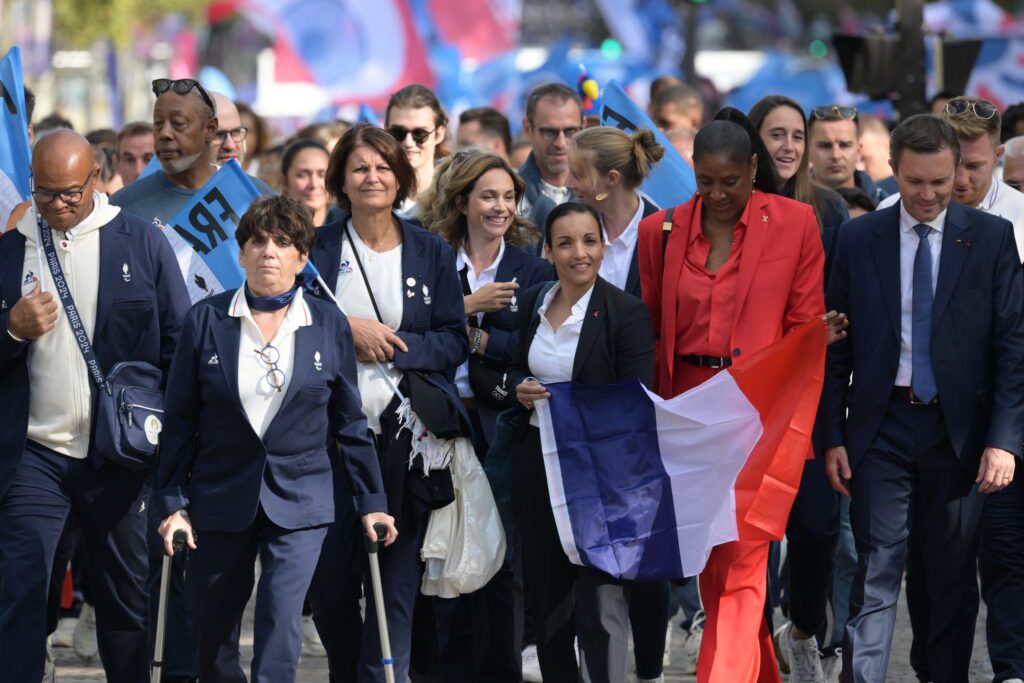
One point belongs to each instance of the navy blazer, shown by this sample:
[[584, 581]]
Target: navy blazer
[[138, 318], [633, 278], [214, 464], [616, 341], [434, 327], [977, 332]]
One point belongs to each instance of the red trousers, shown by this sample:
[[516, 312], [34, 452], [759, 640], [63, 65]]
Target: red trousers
[[736, 646]]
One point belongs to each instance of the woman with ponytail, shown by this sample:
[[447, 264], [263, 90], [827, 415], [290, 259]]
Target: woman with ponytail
[[741, 267], [606, 166]]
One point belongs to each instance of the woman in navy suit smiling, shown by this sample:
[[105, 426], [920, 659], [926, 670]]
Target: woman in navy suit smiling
[[261, 402], [398, 286]]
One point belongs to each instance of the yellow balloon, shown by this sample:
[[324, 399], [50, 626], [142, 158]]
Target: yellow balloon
[[590, 88]]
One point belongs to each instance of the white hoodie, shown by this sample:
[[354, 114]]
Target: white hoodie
[[59, 399]]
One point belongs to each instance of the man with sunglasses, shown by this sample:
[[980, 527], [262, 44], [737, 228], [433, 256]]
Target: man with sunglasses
[[128, 304], [554, 114], [834, 150]]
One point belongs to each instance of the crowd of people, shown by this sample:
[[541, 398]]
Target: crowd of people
[[469, 279]]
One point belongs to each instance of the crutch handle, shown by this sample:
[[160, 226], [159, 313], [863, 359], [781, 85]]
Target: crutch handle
[[380, 530], [179, 540]]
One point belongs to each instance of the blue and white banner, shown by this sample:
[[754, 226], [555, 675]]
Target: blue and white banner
[[15, 153], [202, 233], [671, 181]]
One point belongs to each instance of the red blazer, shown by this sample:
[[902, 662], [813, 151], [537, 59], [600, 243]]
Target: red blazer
[[780, 277]]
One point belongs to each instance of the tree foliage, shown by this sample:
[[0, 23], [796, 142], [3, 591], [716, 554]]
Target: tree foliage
[[79, 23]]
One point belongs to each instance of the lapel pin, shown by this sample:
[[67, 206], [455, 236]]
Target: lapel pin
[[125, 275], [410, 282], [426, 295], [409, 293], [316, 362], [764, 218], [964, 243]]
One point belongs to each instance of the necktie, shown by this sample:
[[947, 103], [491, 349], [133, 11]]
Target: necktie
[[923, 378]]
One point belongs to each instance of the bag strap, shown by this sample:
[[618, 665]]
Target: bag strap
[[64, 294], [666, 230], [362, 271]]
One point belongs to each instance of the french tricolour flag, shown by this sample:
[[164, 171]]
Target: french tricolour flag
[[643, 487]]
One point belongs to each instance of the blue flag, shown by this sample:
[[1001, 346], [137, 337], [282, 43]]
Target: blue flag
[[671, 181], [202, 233], [15, 153], [366, 115], [152, 167]]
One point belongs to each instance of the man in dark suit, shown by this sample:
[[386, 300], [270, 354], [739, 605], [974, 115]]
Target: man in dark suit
[[932, 419], [129, 300]]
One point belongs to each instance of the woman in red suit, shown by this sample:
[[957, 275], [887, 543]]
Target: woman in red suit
[[739, 269]]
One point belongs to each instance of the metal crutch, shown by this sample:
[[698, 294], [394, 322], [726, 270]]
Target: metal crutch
[[177, 544], [380, 530]]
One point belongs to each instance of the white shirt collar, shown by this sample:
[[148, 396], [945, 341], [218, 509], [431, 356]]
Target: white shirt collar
[[298, 314], [991, 197], [907, 222], [579, 309], [631, 229], [462, 260]]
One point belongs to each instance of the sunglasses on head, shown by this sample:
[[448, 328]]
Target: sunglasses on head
[[182, 86], [834, 113], [419, 135], [982, 109]]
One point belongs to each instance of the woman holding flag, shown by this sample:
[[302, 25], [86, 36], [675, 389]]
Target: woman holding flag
[[398, 286], [579, 329], [724, 276], [261, 393]]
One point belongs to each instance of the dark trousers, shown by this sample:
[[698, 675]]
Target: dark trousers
[[909, 485], [548, 576], [648, 617], [355, 654], [219, 583], [180, 662], [811, 537], [108, 502], [1002, 577]]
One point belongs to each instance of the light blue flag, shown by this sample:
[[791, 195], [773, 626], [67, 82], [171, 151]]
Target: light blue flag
[[15, 153], [671, 181], [152, 167], [366, 115]]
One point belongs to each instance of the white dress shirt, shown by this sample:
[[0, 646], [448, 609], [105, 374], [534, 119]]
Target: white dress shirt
[[618, 255], [384, 271], [259, 398], [1000, 200], [908, 250], [553, 352], [475, 281], [559, 195]]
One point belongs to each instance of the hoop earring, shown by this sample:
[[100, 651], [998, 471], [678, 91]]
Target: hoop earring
[[601, 196]]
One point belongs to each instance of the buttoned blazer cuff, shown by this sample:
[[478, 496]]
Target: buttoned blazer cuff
[[371, 502], [1014, 448], [165, 502]]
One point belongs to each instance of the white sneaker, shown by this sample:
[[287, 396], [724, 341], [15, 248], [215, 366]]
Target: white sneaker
[[659, 679], [1013, 680], [803, 657], [49, 667], [832, 666], [691, 648], [311, 644], [64, 636], [84, 638], [531, 665], [780, 655]]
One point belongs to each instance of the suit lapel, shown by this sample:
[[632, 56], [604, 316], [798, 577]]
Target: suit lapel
[[955, 245], [114, 253], [885, 247], [226, 336], [512, 263], [307, 342], [327, 253], [593, 320], [412, 269], [753, 245], [672, 268]]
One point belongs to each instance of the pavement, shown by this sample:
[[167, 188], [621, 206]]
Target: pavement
[[70, 669]]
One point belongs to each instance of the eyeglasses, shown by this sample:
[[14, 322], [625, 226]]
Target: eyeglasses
[[237, 134], [982, 109], [551, 134], [182, 86], [67, 196], [419, 135], [270, 356], [834, 113]]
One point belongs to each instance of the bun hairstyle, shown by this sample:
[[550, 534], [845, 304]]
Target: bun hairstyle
[[731, 133], [604, 149]]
